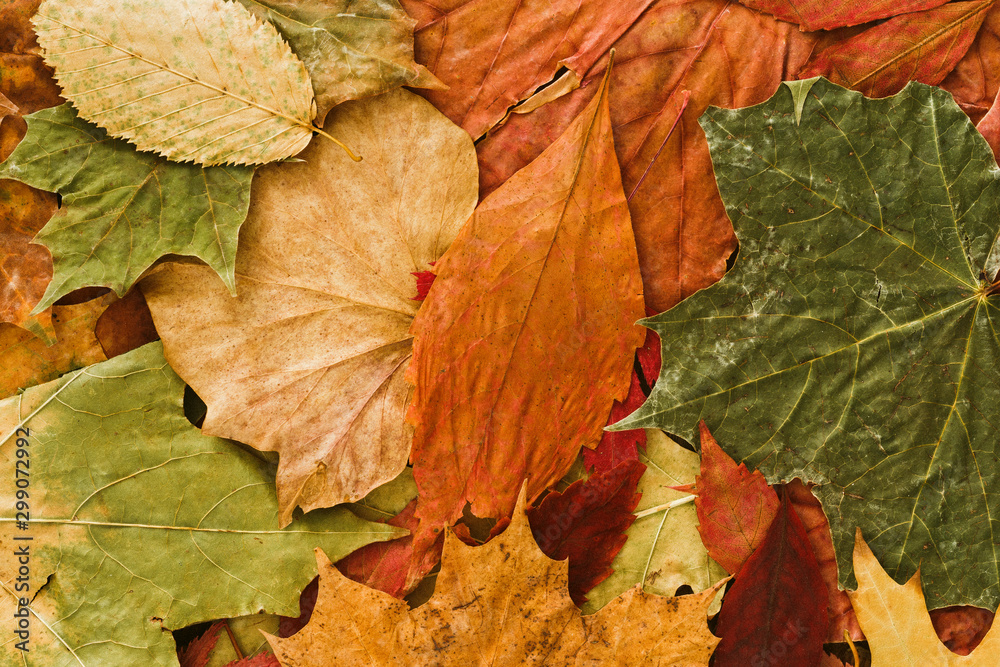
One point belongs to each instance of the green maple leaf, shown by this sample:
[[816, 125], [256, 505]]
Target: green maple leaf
[[854, 343], [139, 524], [123, 209]]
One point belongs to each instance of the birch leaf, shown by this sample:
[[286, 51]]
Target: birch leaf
[[141, 524], [193, 80], [122, 209]]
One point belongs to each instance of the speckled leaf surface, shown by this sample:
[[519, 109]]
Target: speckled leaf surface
[[351, 48], [143, 523], [122, 209], [193, 80], [854, 342]]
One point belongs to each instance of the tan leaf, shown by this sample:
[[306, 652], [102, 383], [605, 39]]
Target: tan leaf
[[895, 620], [503, 603], [193, 80], [308, 359]]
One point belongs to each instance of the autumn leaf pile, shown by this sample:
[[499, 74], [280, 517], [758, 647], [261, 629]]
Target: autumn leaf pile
[[553, 333]]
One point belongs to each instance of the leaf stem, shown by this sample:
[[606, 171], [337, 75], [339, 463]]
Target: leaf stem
[[666, 507], [356, 158]]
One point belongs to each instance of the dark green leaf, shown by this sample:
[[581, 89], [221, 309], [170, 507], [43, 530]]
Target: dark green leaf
[[854, 342]]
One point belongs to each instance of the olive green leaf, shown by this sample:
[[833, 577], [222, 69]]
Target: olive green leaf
[[664, 550], [198, 80], [351, 48], [122, 209], [140, 523], [854, 343]]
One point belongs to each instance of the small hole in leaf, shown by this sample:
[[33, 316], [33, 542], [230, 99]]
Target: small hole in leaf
[[194, 408]]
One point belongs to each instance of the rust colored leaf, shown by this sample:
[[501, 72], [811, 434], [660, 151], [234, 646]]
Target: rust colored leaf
[[24, 78], [619, 446], [126, 325], [196, 653], [961, 628], [810, 512], [976, 78], [735, 506], [494, 53], [827, 14], [989, 127], [586, 523], [26, 267], [393, 567], [923, 46], [776, 608], [546, 263], [26, 361], [503, 603], [675, 61]]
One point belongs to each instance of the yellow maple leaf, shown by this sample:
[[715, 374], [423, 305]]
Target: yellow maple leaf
[[503, 603], [895, 620]]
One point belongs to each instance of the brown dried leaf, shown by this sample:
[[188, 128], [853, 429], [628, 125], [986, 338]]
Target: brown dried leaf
[[308, 359]]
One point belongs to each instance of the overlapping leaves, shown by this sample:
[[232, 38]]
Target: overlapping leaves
[[309, 358], [142, 522], [853, 344], [122, 209]]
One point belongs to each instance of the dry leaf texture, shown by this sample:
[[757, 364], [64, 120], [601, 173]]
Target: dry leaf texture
[[494, 53], [528, 334], [192, 80], [829, 14], [504, 603], [352, 48], [923, 47], [308, 359], [895, 621], [678, 58], [144, 523]]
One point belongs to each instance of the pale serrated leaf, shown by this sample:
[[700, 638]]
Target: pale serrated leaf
[[193, 80]]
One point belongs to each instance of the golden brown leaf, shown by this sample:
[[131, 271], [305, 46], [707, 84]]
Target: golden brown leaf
[[308, 359], [895, 620], [503, 603], [26, 360]]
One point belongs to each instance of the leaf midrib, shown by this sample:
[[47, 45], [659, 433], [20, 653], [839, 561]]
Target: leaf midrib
[[193, 79]]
